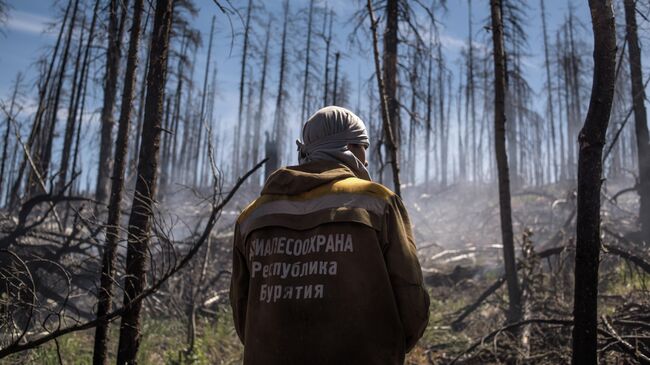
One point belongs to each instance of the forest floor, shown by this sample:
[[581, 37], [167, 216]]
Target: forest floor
[[457, 235]]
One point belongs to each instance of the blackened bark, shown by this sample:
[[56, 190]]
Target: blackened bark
[[5, 138], [427, 138], [259, 114], [305, 82], [335, 89], [388, 127], [113, 57], [592, 140], [328, 41], [43, 163], [514, 293], [390, 40], [242, 79], [640, 119], [197, 158], [105, 294], [552, 152], [77, 83], [145, 188], [273, 153]]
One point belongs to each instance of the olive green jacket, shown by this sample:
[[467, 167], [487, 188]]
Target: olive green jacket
[[325, 271]]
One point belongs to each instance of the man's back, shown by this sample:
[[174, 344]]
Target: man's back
[[325, 271]]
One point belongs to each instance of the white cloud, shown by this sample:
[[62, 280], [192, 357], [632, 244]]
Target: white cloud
[[21, 21]]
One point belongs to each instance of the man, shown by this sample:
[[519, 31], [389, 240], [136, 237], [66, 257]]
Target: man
[[324, 264]]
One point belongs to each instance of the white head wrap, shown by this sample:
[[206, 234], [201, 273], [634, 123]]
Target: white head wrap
[[326, 136]]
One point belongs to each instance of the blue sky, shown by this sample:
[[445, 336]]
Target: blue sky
[[26, 36]]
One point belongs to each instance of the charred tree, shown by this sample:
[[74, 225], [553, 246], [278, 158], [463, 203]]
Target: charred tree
[[592, 140], [276, 139], [44, 158], [505, 208], [328, 41], [105, 294], [113, 57], [75, 95], [242, 79], [390, 55], [305, 82], [5, 138], [552, 151], [145, 188], [259, 114], [640, 119], [335, 89]]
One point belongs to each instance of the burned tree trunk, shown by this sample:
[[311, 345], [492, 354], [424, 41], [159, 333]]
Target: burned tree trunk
[[43, 162], [198, 167], [427, 136], [113, 57], [328, 41], [259, 114], [42, 105], [276, 139], [305, 83], [388, 126], [145, 188], [592, 140], [242, 79], [77, 82], [105, 294], [640, 119], [514, 293], [5, 138]]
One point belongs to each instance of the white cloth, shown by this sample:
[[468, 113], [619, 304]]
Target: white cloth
[[326, 136]]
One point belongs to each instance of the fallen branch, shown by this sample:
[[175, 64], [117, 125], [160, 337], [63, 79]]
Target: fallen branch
[[633, 188], [626, 346], [636, 259]]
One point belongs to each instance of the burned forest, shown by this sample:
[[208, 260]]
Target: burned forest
[[135, 133]]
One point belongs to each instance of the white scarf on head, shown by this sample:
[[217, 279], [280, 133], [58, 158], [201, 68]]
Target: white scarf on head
[[326, 136]]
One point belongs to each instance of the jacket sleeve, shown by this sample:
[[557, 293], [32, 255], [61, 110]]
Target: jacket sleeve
[[239, 285], [405, 273]]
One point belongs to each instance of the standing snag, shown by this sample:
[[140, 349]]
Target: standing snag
[[146, 184], [592, 140], [505, 207]]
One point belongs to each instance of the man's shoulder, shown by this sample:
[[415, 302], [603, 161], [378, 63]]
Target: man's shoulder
[[354, 185], [347, 186]]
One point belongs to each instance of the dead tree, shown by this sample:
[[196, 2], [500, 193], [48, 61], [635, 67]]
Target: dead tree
[[552, 150], [75, 95], [198, 167], [328, 41], [40, 110], [259, 114], [5, 139], [640, 119], [113, 57], [335, 89], [471, 99], [45, 156], [388, 128], [242, 79], [276, 139], [305, 83], [505, 208], [105, 294], [427, 136], [145, 188], [592, 140]]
